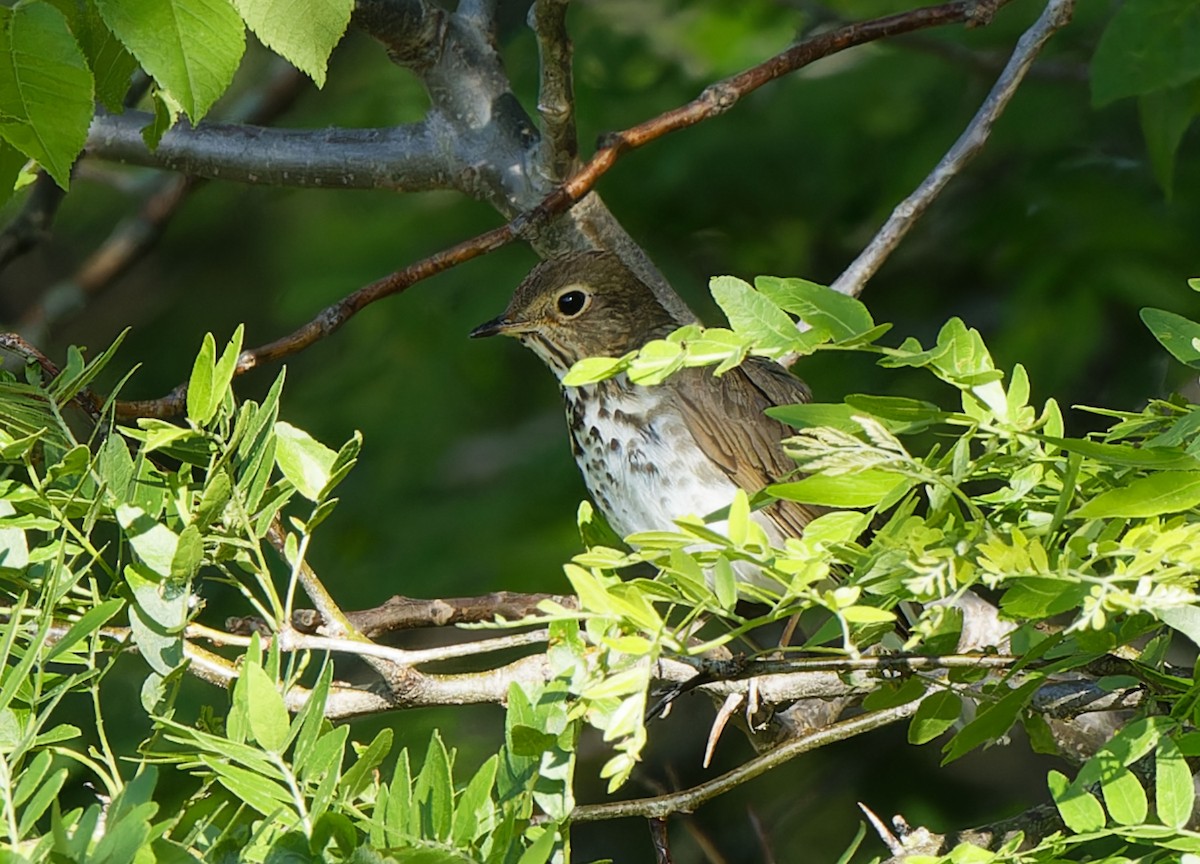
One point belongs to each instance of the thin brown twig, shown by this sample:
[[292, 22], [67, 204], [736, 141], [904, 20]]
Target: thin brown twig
[[660, 840], [720, 97], [85, 398], [715, 100]]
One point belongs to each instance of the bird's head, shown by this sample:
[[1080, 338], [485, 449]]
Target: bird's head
[[584, 304]]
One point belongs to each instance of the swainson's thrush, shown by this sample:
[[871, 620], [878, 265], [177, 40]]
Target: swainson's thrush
[[650, 454]]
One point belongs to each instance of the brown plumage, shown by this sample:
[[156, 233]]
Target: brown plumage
[[650, 454]]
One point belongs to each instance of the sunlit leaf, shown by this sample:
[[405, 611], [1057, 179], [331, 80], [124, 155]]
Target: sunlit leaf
[[45, 88], [190, 47], [1163, 492], [302, 31]]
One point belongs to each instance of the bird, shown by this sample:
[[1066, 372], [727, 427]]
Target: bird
[[652, 454]]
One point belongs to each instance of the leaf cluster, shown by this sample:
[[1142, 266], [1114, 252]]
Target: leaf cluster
[[63, 56], [1090, 545]]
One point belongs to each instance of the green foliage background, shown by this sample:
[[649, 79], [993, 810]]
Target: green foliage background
[[1048, 245]]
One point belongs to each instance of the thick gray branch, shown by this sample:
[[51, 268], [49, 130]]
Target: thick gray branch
[[556, 97], [403, 158], [455, 55]]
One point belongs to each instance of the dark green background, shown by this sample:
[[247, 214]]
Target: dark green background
[[1049, 244]]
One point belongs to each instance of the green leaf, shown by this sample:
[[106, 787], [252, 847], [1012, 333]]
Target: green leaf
[[110, 63], [1148, 45], [724, 583], [211, 377], [304, 32], [30, 778], [474, 809], [715, 344], [1125, 798], [165, 114], [1080, 810], [115, 466], [540, 850], [965, 360], [88, 623], [190, 47], [200, 403], [820, 307], [528, 741], [861, 489], [1152, 495], [161, 649], [1185, 619], [335, 827], [896, 408], [226, 366], [753, 315], [264, 795], [738, 525], [267, 715], [1165, 116], [359, 775], [867, 615], [397, 814], [1125, 454], [1174, 792], [45, 88], [214, 498], [41, 800], [434, 790], [1176, 333], [589, 370], [154, 543], [935, 715], [14, 548], [189, 553], [655, 361], [1031, 597], [812, 414], [889, 694], [305, 461], [910, 354], [992, 722]]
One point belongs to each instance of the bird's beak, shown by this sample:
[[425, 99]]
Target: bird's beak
[[491, 328], [501, 326]]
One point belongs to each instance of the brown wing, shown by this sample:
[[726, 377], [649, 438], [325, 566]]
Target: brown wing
[[726, 418]]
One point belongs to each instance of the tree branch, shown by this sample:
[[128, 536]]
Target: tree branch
[[1055, 16], [688, 800], [720, 97], [537, 223], [409, 613], [32, 224], [136, 235], [1034, 825], [410, 158], [556, 98]]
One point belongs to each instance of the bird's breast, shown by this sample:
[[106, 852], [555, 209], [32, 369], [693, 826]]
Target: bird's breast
[[641, 465]]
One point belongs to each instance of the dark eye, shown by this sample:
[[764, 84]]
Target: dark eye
[[571, 303]]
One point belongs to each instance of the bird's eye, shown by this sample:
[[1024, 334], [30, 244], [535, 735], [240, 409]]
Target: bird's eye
[[571, 303]]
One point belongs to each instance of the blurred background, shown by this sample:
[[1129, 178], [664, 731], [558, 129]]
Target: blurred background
[[1049, 244]]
